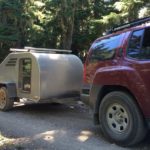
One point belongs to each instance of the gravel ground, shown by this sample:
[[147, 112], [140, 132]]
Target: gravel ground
[[55, 127]]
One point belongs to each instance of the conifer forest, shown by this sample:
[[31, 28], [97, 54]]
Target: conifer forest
[[63, 24]]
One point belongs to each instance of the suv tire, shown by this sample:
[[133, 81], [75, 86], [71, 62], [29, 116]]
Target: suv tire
[[5, 102], [121, 120]]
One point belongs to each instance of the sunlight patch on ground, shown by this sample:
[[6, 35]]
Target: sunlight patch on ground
[[84, 136], [5, 141], [49, 136], [19, 143]]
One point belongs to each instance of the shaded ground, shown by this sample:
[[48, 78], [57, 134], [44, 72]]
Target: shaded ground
[[54, 127]]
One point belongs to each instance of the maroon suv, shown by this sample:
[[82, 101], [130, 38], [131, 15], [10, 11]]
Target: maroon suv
[[117, 82]]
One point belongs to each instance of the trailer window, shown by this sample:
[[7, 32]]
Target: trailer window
[[25, 75]]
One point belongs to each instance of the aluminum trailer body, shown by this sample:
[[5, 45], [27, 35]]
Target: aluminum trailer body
[[38, 75]]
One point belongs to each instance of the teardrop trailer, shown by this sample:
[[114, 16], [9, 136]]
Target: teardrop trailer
[[39, 75]]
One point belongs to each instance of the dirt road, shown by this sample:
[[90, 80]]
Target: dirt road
[[55, 127]]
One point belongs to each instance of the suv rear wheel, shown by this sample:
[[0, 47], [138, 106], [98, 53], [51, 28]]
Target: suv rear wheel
[[5, 102], [121, 120]]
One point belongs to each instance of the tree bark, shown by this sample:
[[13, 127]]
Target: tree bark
[[67, 22]]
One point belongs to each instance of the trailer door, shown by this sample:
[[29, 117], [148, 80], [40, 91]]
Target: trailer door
[[25, 75]]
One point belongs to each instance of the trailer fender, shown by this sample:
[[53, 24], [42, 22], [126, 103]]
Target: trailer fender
[[11, 89]]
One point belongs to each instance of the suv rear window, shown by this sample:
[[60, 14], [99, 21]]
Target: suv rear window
[[139, 44], [105, 49]]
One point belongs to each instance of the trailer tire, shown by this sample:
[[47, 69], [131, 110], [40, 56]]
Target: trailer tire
[[121, 121], [5, 102]]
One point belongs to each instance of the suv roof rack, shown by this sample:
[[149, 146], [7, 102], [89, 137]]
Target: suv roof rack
[[40, 50], [130, 24]]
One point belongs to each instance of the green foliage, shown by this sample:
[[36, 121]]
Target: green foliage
[[125, 11], [65, 24], [9, 16]]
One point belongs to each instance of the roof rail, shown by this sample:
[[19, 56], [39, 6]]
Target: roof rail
[[40, 50], [18, 50], [130, 24]]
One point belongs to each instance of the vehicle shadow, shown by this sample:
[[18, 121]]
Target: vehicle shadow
[[55, 109]]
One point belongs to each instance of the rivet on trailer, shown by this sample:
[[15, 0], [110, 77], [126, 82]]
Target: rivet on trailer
[[39, 75]]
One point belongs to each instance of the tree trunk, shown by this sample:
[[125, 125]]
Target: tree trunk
[[67, 22]]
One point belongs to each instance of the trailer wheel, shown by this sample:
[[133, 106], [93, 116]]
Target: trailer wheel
[[121, 120], [5, 102]]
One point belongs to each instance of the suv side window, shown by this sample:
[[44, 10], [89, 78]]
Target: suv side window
[[139, 44], [105, 48], [145, 50], [135, 44]]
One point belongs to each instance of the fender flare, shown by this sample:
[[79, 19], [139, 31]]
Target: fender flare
[[11, 88], [125, 77]]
